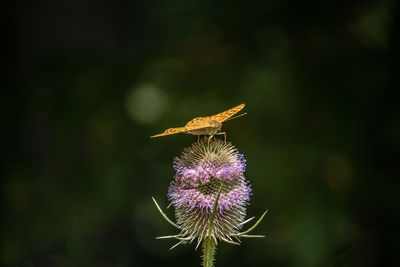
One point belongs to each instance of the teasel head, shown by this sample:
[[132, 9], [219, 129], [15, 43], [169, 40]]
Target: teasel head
[[205, 171], [210, 194]]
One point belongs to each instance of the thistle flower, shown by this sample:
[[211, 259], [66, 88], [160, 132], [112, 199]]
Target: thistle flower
[[210, 195], [200, 171]]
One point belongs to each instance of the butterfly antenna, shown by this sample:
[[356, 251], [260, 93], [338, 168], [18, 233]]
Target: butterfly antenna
[[237, 116]]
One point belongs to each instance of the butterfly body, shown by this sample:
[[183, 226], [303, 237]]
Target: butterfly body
[[203, 126], [209, 125]]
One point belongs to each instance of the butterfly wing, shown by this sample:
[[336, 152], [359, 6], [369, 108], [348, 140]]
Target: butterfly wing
[[171, 131], [223, 116], [197, 122]]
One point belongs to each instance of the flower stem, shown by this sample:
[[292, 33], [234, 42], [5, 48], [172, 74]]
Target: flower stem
[[208, 251], [209, 244]]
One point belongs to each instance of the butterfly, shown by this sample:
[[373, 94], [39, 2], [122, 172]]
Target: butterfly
[[210, 125]]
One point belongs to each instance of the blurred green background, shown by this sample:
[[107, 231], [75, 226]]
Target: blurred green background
[[87, 82]]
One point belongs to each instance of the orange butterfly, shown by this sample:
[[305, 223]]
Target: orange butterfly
[[210, 125]]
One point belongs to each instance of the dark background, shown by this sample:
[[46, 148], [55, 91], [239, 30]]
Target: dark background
[[87, 82]]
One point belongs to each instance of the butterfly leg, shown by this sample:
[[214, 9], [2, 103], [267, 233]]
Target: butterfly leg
[[210, 139]]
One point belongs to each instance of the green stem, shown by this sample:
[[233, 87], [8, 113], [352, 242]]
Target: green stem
[[208, 251], [209, 244]]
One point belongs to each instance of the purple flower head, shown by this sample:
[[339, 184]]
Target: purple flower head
[[200, 171]]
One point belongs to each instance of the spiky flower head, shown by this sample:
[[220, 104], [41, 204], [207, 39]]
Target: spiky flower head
[[201, 171]]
